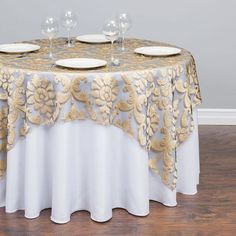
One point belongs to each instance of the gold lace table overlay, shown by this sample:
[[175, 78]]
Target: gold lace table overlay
[[149, 98]]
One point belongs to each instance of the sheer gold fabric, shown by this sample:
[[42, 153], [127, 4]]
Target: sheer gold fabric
[[149, 98]]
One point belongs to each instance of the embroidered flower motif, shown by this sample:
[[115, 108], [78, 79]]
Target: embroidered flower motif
[[105, 91], [140, 84], [2, 167], [3, 123], [152, 120], [6, 79], [191, 72], [41, 95], [193, 84]]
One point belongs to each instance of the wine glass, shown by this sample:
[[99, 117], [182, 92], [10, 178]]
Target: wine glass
[[69, 22], [111, 32], [49, 28], [124, 24]]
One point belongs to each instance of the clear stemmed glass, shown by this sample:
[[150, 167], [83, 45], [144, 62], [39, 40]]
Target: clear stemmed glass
[[69, 22], [111, 32], [124, 24], [49, 28]]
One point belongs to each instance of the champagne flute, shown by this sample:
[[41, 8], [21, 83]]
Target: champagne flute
[[124, 24], [69, 22], [49, 28], [111, 32]]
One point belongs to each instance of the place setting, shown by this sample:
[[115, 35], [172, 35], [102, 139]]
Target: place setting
[[158, 51], [19, 48]]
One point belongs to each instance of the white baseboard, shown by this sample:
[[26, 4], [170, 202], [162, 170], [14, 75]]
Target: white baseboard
[[217, 116]]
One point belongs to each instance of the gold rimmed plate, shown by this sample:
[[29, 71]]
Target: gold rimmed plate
[[81, 63], [158, 51], [19, 48], [92, 38]]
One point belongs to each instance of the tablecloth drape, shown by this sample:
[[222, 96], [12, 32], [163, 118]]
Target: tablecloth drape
[[150, 99], [81, 165]]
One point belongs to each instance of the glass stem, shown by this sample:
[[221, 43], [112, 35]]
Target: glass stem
[[112, 51], [50, 48], [123, 42], [69, 40]]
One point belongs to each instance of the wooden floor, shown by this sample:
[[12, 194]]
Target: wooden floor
[[211, 212]]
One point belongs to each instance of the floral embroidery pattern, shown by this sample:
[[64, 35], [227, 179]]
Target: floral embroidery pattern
[[153, 106], [2, 167], [41, 95], [6, 80], [3, 128], [105, 91]]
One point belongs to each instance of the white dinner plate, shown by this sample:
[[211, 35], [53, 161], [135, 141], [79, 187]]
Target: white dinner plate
[[81, 63], [158, 51], [18, 48], [92, 38]]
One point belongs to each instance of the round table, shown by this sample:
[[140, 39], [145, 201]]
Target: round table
[[99, 139]]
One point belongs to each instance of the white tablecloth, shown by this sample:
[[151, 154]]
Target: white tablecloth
[[81, 165]]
